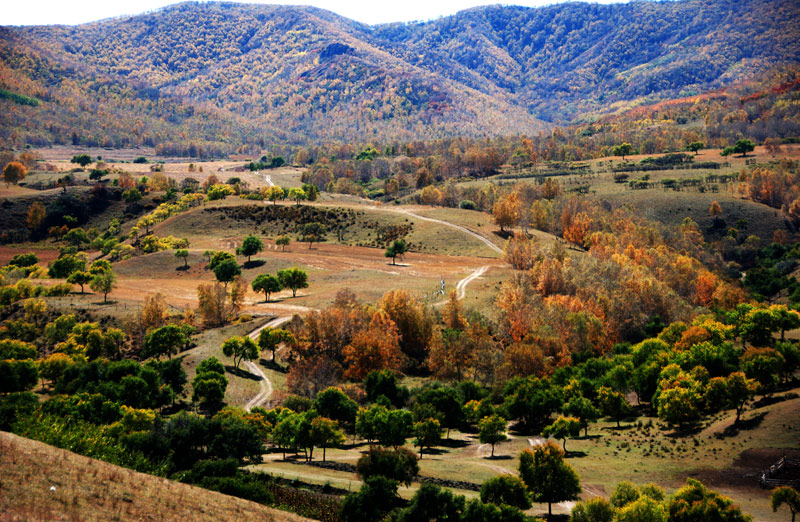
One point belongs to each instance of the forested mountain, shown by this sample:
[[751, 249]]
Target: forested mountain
[[207, 78]]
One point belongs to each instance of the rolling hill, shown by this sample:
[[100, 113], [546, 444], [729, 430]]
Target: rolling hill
[[205, 79], [41, 482]]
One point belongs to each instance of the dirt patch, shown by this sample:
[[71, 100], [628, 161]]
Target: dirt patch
[[44, 255]]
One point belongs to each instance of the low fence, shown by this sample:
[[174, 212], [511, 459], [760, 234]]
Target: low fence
[[770, 478]]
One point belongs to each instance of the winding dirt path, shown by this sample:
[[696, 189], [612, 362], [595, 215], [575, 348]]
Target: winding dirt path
[[461, 286], [266, 384], [472, 233]]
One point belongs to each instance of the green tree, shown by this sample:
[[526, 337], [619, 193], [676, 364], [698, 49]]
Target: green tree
[[368, 421], [696, 146], [644, 509], [313, 232], [209, 382], [132, 195], [326, 433], [24, 260], [14, 172], [226, 271], [18, 376], [397, 248], [81, 159], [384, 382], [99, 266], [240, 348], [251, 245], [311, 191], [217, 258], [695, 502], [563, 428], [428, 433], [596, 509], [613, 403], [104, 283], [584, 410], [293, 278], [743, 146], [283, 435], [283, 242], [492, 430], [65, 265], [80, 278], [334, 404], [269, 339], [77, 237], [268, 284], [182, 253], [394, 427], [623, 149], [733, 391], [432, 503], [624, 493], [786, 495], [297, 194], [446, 402], [165, 340], [506, 489], [376, 498], [398, 464], [531, 399], [548, 477], [274, 193]]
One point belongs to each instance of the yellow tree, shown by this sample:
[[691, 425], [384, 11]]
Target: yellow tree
[[507, 211], [14, 172], [36, 215]]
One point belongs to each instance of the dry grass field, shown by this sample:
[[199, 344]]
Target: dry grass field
[[39, 482]]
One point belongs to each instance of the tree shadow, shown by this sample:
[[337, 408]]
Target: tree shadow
[[679, 433], [621, 427], [743, 425], [274, 366], [244, 374], [255, 263], [575, 454], [499, 457], [183, 268], [505, 234], [434, 451], [773, 399], [454, 443]]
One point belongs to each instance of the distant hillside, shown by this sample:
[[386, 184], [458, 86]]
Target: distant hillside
[[206, 78], [40, 482]]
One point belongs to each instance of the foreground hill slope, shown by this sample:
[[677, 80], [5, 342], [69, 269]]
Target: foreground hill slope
[[218, 75], [88, 489]]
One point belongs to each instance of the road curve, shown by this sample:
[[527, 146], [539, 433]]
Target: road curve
[[461, 287], [266, 385], [477, 236]]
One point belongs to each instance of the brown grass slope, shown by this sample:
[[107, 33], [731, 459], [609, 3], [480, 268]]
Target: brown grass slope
[[88, 489]]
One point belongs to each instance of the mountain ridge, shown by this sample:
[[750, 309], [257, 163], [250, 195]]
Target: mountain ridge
[[226, 75]]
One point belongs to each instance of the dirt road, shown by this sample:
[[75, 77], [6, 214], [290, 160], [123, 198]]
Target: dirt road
[[266, 385]]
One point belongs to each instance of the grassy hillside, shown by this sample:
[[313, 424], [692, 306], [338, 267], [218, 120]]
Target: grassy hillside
[[40, 482]]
